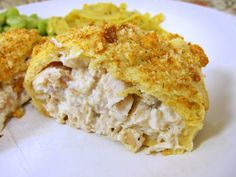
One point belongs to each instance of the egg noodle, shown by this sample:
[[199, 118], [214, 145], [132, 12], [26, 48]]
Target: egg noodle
[[104, 13]]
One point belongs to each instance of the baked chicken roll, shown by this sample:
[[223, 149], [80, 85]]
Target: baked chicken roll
[[134, 86], [15, 49]]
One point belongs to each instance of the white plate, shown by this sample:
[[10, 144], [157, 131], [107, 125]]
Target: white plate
[[36, 146]]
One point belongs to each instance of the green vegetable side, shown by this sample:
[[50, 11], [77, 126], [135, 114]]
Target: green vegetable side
[[11, 18]]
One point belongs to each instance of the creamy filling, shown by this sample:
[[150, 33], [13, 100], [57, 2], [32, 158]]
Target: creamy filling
[[91, 100], [10, 99]]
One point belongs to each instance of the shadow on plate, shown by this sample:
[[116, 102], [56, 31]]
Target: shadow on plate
[[218, 115]]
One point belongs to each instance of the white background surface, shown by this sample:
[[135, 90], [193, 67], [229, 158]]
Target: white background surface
[[37, 146]]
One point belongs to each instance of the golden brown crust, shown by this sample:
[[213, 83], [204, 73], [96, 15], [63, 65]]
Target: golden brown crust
[[163, 65], [18, 113], [16, 47]]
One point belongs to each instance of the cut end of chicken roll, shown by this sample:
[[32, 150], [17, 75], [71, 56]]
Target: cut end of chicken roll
[[12, 97], [93, 101], [141, 89]]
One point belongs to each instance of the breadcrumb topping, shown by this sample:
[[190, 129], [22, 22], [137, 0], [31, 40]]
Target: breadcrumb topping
[[15, 49]]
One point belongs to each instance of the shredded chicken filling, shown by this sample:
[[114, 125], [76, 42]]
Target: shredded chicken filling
[[12, 96], [91, 100]]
